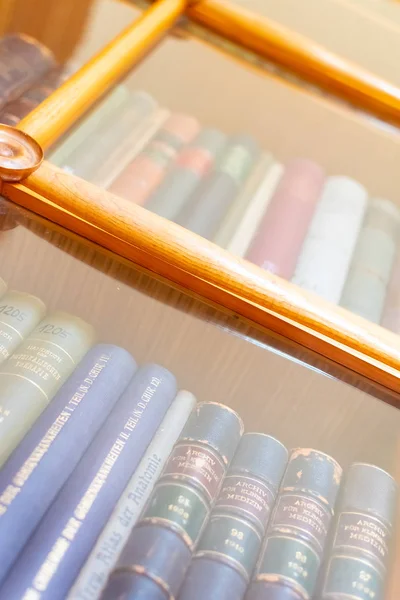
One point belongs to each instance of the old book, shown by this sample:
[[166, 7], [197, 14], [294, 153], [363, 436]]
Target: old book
[[142, 176], [54, 554], [282, 230], [19, 314], [114, 536], [161, 545], [208, 205], [325, 257], [236, 212], [293, 548], [23, 61], [366, 285], [359, 555], [192, 165], [226, 555], [56, 442], [256, 209], [34, 373]]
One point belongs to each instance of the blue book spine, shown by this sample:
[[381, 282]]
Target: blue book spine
[[55, 444], [52, 558]]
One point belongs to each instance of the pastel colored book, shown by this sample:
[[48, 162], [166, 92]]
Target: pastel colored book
[[57, 550], [391, 312]]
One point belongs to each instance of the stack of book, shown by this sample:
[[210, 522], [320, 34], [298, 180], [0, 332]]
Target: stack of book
[[116, 484], [322, 232]]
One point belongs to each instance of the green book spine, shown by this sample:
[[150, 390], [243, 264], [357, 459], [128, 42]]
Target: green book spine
[[34, 373]]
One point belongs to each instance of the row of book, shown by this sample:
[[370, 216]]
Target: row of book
[[29, 74], [323, 233], [116, 485]]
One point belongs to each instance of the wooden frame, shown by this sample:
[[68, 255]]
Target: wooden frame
[[180, 256]]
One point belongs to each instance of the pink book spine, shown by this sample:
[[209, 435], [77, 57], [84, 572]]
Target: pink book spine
[[141, 177], [281, 233]]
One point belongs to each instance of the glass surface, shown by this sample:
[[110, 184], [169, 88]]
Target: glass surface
[[277, 387], [232, 148]]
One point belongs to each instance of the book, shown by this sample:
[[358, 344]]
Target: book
[[294, 545], [82, 135], [208, 205], [142, 176], [226, 555], [366, 285], [192, 165], [257, 207], [130, 147], [105, 143], [93, 576], [35, 372], [282, 230], [56, 442], [19, 314], [23, 61], [391, 311], [239, 207], [55, 553], [160, 547], [359, 554], [325, 257]]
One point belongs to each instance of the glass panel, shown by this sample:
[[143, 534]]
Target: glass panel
[[42, 44], [278, 389], [237, 151]]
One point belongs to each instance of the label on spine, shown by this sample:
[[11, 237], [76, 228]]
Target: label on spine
[[180, 508], [231, 540], [248, 496], [364, 533]]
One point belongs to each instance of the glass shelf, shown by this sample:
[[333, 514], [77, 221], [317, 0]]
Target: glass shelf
[[278, 387]]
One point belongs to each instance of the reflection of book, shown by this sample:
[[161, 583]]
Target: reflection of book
[[155, 559], [358, 559], [109, 546], [298, 529], [366, 284], [226, 555], [23, 61], [391, 313], [56, 442], [33, 374], [64, 537]]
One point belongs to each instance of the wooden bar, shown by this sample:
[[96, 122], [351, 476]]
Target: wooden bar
[[301, 56], [205, 269], [57, 113]]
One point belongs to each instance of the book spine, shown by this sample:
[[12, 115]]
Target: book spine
[[56, 442], [283, 229], [110, 135], [359, 556], [247, 228], [130, 148], [296, 537], [34, 373], [19, 314], [14, 111], [391, 312], [208, 205], [82, 134], [228, 549], [141, 177], [53, 556], [161, 544], [191, 167], [325, 257], [369, 274], [236, 212], [105, 553], [23, 61]]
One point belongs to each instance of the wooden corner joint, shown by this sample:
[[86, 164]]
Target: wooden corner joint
[[20, 155]]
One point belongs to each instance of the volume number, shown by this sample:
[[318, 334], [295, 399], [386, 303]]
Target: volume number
[[53, 330], [13, 312]]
